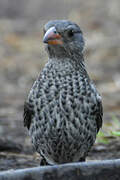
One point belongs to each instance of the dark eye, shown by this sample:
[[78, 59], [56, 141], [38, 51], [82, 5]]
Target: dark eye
[[70, 33]]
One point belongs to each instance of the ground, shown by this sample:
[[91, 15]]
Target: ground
[[22, 57]]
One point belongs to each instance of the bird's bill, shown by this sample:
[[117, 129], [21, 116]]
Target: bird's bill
[[52, 37]]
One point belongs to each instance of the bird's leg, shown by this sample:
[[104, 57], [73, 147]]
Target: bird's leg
[[82, 159], [43, 162]]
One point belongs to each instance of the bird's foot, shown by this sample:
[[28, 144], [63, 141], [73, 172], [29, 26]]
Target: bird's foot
[[82, 159], [43, 162]]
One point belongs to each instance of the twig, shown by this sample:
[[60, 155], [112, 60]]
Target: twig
[[98, 170]]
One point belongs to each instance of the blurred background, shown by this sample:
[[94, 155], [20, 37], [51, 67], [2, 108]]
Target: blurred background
[[22, 56]]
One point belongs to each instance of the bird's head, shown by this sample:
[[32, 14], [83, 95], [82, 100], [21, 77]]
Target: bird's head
[[63, 38]]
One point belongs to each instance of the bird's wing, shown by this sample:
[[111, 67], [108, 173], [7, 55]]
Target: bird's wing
[[28, 114], [99, 114]]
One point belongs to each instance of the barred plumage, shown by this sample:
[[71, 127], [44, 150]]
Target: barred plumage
[[63, 111]]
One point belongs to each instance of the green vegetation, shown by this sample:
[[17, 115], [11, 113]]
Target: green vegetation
[[111, 130]]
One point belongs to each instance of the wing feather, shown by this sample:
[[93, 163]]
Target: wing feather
[[28, 114]]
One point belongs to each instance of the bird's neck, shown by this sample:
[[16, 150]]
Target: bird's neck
[[68, 65]]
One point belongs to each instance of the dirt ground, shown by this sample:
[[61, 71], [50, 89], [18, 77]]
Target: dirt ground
[[22, 57]]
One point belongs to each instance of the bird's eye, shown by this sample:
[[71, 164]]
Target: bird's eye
[[70, 33]]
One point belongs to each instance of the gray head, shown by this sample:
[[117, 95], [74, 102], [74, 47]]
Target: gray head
[[63, 38]]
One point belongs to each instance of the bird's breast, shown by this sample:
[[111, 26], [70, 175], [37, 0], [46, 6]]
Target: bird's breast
[[62, 114]]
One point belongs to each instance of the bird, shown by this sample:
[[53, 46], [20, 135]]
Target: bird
[[63, 110]]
